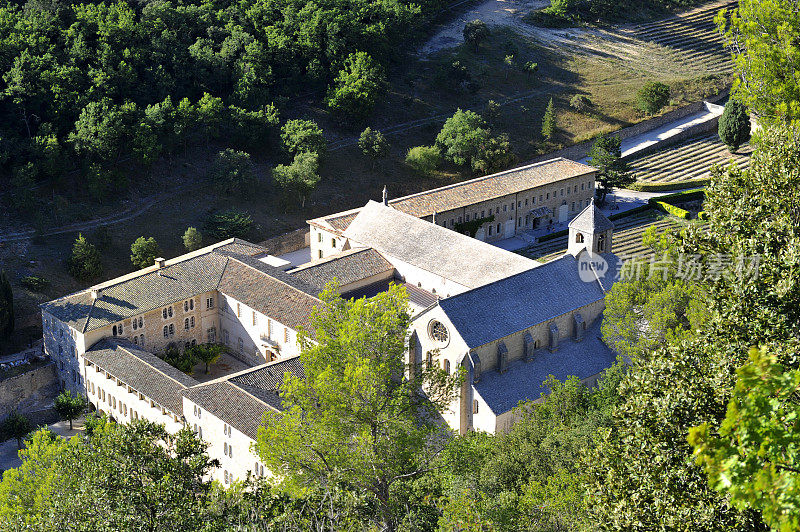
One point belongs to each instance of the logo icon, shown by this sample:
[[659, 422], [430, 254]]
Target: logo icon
[[591, 266]]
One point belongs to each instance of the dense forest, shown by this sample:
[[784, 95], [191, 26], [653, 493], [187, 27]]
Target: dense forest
[[88, 85]]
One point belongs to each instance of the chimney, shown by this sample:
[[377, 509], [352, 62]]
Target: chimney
[[385, 196], [433, 218], [95, 294], [160, 262]]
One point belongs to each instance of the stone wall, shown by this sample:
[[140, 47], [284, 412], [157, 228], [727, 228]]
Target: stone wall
[[580, 150], [287, 242], [28, 391]]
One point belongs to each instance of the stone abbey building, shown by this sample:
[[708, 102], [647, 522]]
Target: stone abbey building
[[507, 320]]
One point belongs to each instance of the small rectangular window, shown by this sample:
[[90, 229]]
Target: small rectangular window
[[255, 319], [319, 237], [285, 334], [238, 310]]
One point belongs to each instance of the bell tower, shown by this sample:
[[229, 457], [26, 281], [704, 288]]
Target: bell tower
[[590, 230]]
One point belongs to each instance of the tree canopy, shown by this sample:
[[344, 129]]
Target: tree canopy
[[606, 155], [352, 417], [144, 252], [69, 406], [84, 262]]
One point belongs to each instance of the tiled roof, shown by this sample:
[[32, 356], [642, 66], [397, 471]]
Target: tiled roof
[[340, 223], [523, 380], [591, 220], [143, 371], [416, 296], [348, 268], [184, 277], [489, 187], [273, 297], [510, 305], [231, 404], [241, 400], [449, 254], [264, 381]]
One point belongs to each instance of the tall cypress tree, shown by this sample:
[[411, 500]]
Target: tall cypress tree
[[6, 307]]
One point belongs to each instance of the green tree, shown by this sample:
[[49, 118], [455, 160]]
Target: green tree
[[640, 471], [207, 353], [495, 155], [373, 144], [606, 155], [652, 97], [531, 68], [762, 34], [134, 476], [734, 125], [423, 159], [300, 177], [233, 172], [144, 252], [6, 306], [462, 136], [353, 418], [754, 458], [17, 426], [232, 223], [192, 239], [84, 262], [69, 406], [549, 121], [300, 136], [475, 32], [510, 63], [357, 87]]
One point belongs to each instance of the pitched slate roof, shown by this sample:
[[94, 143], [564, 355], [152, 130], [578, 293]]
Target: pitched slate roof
[[231, 404], [510, 305], [591, 220], [349, 267], [143, 371], [229, 267], [523, 380], [336, 222], [242, 399], [456, 257], [489, 187], [277, 298]]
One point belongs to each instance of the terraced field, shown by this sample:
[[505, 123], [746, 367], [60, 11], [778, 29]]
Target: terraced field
[[687, 161], [693, 33], [627, 240]]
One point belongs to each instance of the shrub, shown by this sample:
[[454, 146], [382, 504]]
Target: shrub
[[232, 172], [652, 97], [192, 239], [734, 125], [702, 215], [423, 159], [300, 177], [549, 121], [84, 263], [303, 136], [670, 209], [232, 223], [357, 87], [581, 103], [475, 32], [144, 252], [37, 284]]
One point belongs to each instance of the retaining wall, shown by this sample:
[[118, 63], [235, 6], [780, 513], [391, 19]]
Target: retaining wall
[[287, 242], [25, 390], [580, 150]]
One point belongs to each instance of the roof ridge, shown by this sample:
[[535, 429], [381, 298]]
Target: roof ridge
[[124, 348], [273, 277], [482, 178], [331, 258]]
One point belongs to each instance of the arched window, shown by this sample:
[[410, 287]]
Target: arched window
[[601, 243], [140, 322], [186, 323], [428, 360], [447, 366], [114, 330], [579, 238]]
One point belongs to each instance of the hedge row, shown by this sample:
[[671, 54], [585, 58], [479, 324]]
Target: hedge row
[[685, 195], [551, 236], [670, 209], [642, 186]]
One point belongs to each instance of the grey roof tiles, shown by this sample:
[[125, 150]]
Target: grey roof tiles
[[143, 371], [348, 268], [520, 301]]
